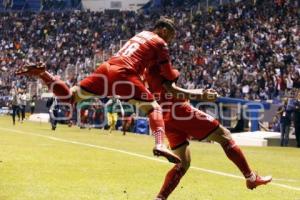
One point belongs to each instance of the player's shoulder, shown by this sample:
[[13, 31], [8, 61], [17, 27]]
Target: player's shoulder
[[152, 37], [160, 41]]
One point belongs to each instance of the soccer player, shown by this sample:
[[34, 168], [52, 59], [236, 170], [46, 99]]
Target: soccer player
[[182, 122], [120, 75], [112, 106]]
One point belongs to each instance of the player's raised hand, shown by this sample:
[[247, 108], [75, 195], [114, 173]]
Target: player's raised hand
[[208, 95], [31, 69]]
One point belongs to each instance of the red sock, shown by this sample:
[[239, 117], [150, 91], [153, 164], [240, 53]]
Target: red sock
[[172, 179], [235, 154], [58, 87], [157, 125]]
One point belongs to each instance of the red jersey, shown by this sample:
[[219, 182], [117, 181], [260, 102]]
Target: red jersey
[[182, 121], [155, 79], [143, 50]]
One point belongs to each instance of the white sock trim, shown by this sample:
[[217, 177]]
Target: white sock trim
[[251, 177]]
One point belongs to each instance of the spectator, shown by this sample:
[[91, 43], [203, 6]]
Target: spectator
[[285, 122], [15, 105], [6, 4], [241, 50], [53, 111]]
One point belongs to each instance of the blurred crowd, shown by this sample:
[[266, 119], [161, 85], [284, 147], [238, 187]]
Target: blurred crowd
[[243, 50]]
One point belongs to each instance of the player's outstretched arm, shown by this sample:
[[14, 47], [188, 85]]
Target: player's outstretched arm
[[32, 69], [195, 94]]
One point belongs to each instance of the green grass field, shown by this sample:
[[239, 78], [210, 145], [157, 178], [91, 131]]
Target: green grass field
[[71, 164]]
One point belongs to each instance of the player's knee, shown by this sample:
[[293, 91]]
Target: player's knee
[[223, 136], [186, 164], [151, 107], [75, 93], [186, 161], [146, 107], [225, 130], [184, 154], [79, 94]]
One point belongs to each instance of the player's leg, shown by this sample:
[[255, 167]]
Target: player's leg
[[109, 120], [114, 121], [58, 87], [223, 136], [111, 124], [174, 176], [156, 122], [154, 112], [124, 126]]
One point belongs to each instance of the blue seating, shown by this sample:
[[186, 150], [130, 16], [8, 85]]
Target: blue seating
[[18, 4], [34, 5], [1, 5]]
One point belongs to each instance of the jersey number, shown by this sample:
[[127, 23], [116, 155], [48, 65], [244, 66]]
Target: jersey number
[[128, 49]]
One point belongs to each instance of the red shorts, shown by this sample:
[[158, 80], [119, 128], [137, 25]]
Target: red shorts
[[186, 122], [109, 80]]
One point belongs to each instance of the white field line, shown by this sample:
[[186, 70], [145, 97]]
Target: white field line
[[148, 157]]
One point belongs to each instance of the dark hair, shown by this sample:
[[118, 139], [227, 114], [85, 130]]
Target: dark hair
[[165, 23]]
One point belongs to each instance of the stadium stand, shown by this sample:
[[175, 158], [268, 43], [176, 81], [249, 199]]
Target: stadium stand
[[18, 4], [243, 50], [34, 5]]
